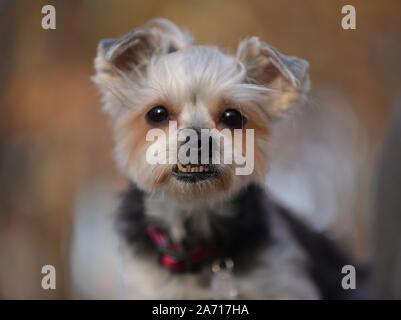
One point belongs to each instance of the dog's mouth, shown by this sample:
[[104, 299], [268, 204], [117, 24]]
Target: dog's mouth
[[192, 173]]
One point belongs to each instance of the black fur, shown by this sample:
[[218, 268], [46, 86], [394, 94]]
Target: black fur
[[238, 237], [247, 231], [131, 223], [242, 235], [326, 260]]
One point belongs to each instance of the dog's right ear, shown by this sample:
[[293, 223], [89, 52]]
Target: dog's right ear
[[133, 51]]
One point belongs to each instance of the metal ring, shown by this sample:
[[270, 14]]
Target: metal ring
[[223, 264]]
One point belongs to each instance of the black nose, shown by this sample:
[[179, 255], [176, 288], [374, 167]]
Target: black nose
[[202, 141], [206, 142]]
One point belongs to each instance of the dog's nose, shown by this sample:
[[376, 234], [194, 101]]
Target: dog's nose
[[205, 142], [202, 141]]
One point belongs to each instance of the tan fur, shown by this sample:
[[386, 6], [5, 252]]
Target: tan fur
[[153, 66]]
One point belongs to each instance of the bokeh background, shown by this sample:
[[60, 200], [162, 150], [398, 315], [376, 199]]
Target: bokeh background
[[58, 183]]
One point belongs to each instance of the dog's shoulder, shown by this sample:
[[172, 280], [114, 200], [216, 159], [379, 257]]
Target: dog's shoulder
[[130, 220], [326, 259], [263, 238]]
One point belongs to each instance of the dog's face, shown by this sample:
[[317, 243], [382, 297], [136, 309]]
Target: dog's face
[[156, 83]]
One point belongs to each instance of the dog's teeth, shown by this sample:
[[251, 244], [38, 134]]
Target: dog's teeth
[[192, 168], [181, 167]]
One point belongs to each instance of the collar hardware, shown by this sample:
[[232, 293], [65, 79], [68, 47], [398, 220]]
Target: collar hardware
[[174, 256]]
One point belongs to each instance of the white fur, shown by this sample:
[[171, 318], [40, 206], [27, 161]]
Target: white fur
[[279, 271], [195, 81]]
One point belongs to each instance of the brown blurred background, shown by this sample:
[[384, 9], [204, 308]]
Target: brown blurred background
[[55, 142]]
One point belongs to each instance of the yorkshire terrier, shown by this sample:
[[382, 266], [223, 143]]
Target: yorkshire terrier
[[199, 228]]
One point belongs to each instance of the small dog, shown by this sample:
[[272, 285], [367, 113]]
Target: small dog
[[200, 230]]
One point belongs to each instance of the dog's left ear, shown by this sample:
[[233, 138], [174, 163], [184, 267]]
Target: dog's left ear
[[268, 67]]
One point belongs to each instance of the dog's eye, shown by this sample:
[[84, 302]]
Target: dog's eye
[[157, 114], [233, 119]]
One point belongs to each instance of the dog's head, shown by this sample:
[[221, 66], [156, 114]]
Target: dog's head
[[163, 92]]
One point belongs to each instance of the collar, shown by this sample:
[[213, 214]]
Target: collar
[[185, 46], [174, 256]]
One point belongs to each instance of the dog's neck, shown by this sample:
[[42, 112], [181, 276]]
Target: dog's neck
[[234, 226], [186, 220]]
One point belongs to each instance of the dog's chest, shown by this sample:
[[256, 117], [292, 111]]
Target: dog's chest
[[274, 276], [268, 262]]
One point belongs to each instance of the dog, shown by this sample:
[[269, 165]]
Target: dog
[[200, 230]]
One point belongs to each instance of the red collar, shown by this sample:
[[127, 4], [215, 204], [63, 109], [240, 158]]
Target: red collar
[[174, 256]]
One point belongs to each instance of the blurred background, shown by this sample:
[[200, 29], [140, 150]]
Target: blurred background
[[336, 161]]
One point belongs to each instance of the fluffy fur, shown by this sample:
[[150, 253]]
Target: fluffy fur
[[159, 65]]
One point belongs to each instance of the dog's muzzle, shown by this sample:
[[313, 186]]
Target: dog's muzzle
[[192, 173]]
